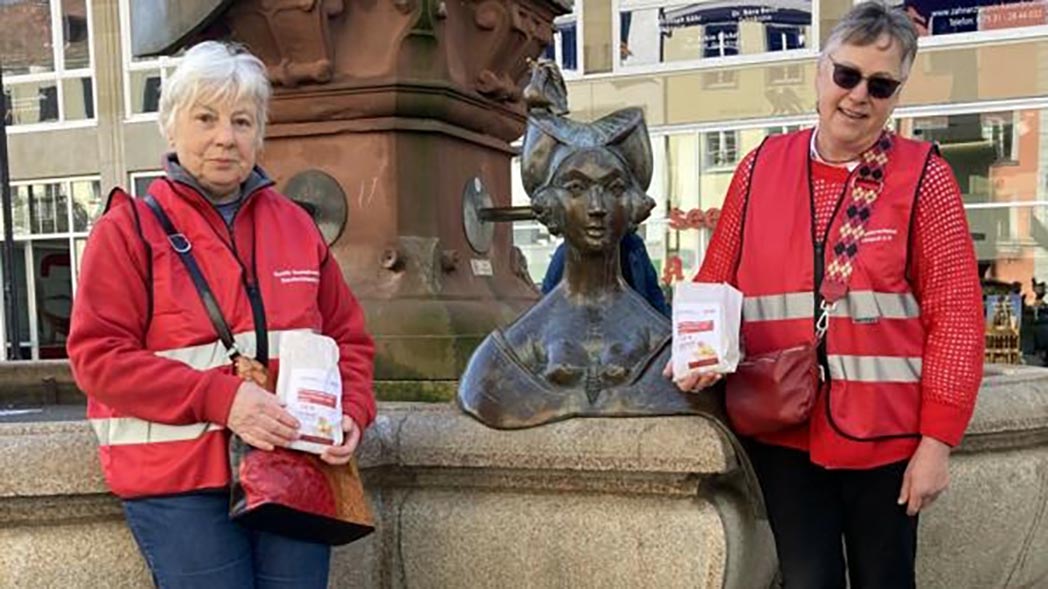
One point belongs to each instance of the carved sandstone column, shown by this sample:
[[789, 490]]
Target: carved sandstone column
[[395, 109]]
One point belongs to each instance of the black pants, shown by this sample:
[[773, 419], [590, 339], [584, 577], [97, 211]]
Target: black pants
[[811, 509]]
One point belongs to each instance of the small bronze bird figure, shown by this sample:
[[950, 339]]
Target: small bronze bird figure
[[546, 90]]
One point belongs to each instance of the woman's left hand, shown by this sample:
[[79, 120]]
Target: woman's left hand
[[694, 381], [339, 455], [926, 477]]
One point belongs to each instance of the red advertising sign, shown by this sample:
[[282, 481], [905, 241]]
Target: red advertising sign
[[693, 219], [1007, 16], [673, 271]]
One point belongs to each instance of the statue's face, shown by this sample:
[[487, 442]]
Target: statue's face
[[594, 191]]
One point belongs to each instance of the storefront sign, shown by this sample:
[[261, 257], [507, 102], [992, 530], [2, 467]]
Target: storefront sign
[[693, 219], [673, 271]]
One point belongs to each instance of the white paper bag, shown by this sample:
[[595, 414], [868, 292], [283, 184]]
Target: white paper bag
[[310, 386], [706, 320]]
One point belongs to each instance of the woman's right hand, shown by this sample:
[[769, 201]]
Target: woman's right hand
[[259, 419], [692, 382]]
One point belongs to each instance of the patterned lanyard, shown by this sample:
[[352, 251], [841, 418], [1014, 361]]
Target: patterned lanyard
[[865, 189]]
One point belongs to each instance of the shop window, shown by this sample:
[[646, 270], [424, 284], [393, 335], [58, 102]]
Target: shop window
[[652, 32], [51, 220], [998, 162]]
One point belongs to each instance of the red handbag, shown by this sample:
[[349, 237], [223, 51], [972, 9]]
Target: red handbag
[[777, 390], [292, 493], [297, 495], [774, 391]]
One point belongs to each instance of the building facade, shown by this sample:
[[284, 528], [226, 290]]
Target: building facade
[[81, 119], [714, 78]]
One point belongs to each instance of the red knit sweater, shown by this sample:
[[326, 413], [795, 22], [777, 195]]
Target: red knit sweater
[[945, 283]]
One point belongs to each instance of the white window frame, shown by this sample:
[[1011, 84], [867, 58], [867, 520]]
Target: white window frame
[[1009, 35], [710, 62], [70, 236], [580, 61], [1012, 156], [722, 45], [719, 79], [784, 41], [60, 75], [133, 176], [781, 129], [789, 79], [709, 163], [162, 63]]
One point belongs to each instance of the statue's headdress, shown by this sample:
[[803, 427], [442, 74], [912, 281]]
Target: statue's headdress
[[550, 139]]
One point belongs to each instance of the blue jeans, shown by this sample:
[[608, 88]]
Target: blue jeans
[[189, 542]]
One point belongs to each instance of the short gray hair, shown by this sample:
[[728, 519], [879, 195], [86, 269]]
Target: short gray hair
[[867, 22], [215, 71]]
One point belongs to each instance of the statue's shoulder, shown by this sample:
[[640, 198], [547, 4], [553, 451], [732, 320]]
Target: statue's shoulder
[[497, 385]]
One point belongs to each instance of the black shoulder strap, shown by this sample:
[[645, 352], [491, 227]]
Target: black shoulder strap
[[745, 209], [183, 248]]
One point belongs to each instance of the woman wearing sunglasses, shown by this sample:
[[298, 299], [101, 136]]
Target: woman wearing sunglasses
[[854, 229]]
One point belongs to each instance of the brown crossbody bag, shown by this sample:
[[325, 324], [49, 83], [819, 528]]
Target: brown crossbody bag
[[777, 390]]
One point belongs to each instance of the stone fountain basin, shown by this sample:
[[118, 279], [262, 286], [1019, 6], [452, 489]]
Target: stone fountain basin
[[582, 503]]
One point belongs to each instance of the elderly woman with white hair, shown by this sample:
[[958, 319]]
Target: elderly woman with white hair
[[850, 244], [162, 396]]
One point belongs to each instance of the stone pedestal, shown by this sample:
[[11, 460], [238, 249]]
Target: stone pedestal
[[582, 503], [588, 503], [404, 104]]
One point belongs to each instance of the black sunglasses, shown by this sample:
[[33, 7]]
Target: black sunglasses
[[848, 77]]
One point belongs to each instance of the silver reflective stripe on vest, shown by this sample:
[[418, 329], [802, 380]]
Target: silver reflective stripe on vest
[[875, 368], [213, 355], [858, 305], [866, 304], [794, 305], [118, 431]]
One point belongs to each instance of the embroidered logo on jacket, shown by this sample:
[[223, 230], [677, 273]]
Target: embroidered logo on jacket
[[290, 276], [879, 235]]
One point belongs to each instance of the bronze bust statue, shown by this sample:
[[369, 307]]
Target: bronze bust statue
[[592, 346]]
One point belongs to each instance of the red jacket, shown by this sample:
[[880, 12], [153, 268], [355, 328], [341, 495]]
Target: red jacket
[[142, 347]]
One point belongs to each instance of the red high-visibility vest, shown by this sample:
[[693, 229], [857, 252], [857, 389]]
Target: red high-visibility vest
[[875, 342]]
